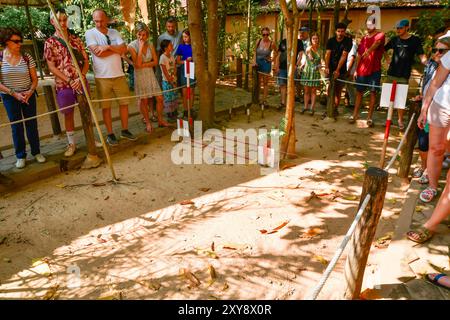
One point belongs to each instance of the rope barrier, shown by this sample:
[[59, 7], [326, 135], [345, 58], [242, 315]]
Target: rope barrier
[[402, 141], [337, 255], [37, 116]]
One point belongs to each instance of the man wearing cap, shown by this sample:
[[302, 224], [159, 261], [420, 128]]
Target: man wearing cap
[[368, 69], [405, 46]]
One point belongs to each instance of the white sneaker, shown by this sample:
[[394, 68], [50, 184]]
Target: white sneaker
[[20, 163], [40, 158], [70, 150]]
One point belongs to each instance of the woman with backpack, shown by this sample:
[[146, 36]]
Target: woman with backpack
[[18, 82]]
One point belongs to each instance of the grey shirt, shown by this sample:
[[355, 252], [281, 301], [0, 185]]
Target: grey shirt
[[175, 39]]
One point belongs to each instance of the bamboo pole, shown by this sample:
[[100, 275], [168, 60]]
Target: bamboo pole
[[33, 39], [86, 92]]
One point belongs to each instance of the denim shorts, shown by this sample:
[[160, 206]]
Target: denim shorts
[[423, 137], [282, 77], [372, 80]]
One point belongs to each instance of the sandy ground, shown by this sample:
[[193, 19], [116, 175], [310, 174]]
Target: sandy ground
[[136, 240]]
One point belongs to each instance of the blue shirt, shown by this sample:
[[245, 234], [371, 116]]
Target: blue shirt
[[185, 51]]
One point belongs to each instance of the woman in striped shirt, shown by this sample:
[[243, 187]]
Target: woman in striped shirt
[[18, 82]]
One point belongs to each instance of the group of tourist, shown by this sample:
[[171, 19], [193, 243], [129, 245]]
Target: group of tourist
[[18, 78]]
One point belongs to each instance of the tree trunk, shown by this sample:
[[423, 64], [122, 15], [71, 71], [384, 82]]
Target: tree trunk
[[206, 73], [337, 7], [223, 22], [154, 20], [292, 25], [249, 28]]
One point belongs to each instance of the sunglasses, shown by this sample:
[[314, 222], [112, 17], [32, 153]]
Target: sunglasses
[[108, 40], [265, 34], [17, 41], [440, 50]]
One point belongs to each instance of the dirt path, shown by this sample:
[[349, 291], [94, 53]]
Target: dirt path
[[133, 240]]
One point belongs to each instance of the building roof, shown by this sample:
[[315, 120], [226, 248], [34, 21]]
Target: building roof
[[31, 3], [382, 3]]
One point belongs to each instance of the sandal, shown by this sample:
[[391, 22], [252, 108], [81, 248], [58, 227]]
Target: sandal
[[420, 235], [424, 179], [351, 120], [401, 126], [434, 279], [154, 118], [303, 111], [370, 123], [418, 173], [428, 195]]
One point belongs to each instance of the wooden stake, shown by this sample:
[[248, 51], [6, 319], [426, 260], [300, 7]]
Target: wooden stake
[[51, 106], [407, 150], [375, 184]]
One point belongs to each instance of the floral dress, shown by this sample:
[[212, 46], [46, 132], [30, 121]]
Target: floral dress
[[311, 75]]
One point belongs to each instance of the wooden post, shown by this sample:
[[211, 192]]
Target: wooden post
[[92, 159], [33, 39], [51, 106], [407, 150], [249, 28], [239, 72], [375, 184], [255, 91], [330, 101]]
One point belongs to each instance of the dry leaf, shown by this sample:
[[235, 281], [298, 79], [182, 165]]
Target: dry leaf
[[154, 285], [98, 215], [383, 242], [312, 232], [186, 202], [194, 282], [350, 197], [369, 294], [312, 196], [274, 230], [321, 259], [51, 293], [287, 166], [212, 246], [225, 286], [263, 231], [230, 248], [357, 176], [204, 189], [99, 184], [212, 274], [106, 198], [234, 246], [139, 155]]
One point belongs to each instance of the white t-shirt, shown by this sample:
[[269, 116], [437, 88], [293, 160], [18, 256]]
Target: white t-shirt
[[110, 66], [353, 52], [442, 95]]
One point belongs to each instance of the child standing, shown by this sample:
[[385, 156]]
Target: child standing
[[169, 79], [184, 53]]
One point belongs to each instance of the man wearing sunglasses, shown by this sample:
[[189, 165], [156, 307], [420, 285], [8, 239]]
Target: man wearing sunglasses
[[405, 47], [107, 47]]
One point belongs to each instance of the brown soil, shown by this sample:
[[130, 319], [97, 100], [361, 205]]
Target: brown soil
[[135, 239]]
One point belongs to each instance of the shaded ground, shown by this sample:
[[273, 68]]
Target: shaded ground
[[132, 240]]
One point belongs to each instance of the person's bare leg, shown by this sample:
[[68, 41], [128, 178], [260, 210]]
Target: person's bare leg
[[358, 101], [283, 90], [107, 119], [444, 281], [143, 106], [69, 121], [313, 98], [438, 144], [124, 116], [442, 209], [423, 159], [151, 106], [373, 96], [307, 91], [337, 95], [266, 87], [159, 110]]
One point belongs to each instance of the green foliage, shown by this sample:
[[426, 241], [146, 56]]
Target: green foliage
[[16, 18]]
